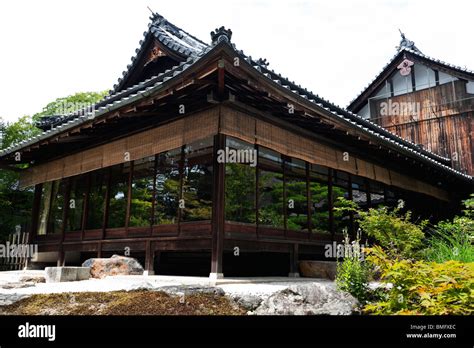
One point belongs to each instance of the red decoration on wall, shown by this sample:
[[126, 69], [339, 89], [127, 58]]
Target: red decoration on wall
[[405, 67]]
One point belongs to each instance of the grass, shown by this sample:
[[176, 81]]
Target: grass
[[452, 241], [140, 302]]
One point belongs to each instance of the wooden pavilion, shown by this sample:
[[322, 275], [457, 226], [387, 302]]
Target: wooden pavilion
[[140, 172]]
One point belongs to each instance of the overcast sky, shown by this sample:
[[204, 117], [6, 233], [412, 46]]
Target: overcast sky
[[51, 49]]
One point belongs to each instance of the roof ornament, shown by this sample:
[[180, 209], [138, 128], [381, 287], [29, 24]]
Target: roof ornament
[[405, 43], [221, 34], [263, 62]]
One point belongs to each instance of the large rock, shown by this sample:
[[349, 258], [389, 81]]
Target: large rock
[[66, 274], [116, 265], [309, 299], [318, 269]]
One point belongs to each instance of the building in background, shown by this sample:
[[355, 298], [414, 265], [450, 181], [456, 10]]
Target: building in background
[[425, 101]]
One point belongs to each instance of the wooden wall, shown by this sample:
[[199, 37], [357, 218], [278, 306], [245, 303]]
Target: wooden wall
[[441, 119]]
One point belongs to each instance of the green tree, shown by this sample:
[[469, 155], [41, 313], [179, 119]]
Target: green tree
[[70, 104], [16, 203]]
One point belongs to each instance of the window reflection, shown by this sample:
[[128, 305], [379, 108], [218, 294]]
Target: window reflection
[[240, 186], [118, 195], [271, 212], [167, 187], [296, 195], [95, 211], [340, 189], [142, 192], [56, 222], [319, 199], [197, 181], [76, 203]]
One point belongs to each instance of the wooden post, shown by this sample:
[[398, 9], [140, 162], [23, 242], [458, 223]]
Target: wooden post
[[285, 203], [257, 192], [330, 204], [351, 230], [85, 206], [309, 207], [67, 195], [35, 212], [294, 272], [218, 218], [149, 258], [129, 196], [105, 219]]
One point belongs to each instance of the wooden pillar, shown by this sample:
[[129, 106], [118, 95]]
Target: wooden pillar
[[67, 195], [294, 271], [330, 203], [218, 217], [35, 213], [34, 218], [351, 229], [129, 197], [105, 217], [309, 207], [85, 205], [149, 258]]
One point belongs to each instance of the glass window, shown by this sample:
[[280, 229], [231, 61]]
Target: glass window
[[167, 183], [240, 190], [118, 195], [391, 198], [340, 189], [359, 191], [76, 203], [319, 192], [56, 223], [45, 205], [376, 193], [197, 181], [296, 195], [271, 211], [96, 204], [142, 192]]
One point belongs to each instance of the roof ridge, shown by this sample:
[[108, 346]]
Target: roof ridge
[[341, 109], [417, 53], [158, 28]]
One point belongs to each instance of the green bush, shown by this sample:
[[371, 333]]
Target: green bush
[[352, 274], [390, 228], [420, 287], [452, 240]]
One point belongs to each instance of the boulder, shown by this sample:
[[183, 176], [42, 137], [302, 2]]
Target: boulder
[[116, 265], [313, 298], [66, 274], [318, 269]]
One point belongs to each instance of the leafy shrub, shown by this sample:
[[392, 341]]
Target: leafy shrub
[[352, 274], [392, 229], [452, 241], [422, 287]]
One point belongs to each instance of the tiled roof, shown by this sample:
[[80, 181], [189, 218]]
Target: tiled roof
[[415, 53], [155, 83], [173, 37]]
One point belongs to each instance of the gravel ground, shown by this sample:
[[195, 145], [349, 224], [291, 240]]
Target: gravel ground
[[262, 287]]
